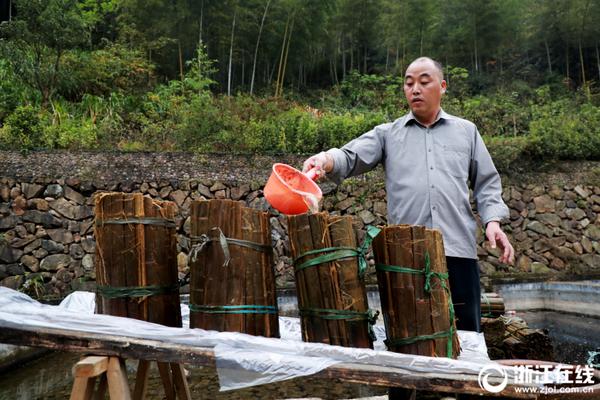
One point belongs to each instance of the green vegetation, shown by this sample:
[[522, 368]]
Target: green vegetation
[[277, 76]]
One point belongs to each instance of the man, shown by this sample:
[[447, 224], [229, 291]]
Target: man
[[431, 160]]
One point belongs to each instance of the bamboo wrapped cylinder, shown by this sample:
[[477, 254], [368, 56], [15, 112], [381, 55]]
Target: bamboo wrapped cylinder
[[136, 258], [492, 305], [238, 295], [411, 309], [332, 297]]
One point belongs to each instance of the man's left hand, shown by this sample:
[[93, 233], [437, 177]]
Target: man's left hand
[[496, 236]]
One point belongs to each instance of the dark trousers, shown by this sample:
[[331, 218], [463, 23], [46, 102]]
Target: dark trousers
[[463, 274]]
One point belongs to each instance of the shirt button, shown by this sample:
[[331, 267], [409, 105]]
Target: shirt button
[[429, 150], [433, 207], [432, 186], [431, 168]]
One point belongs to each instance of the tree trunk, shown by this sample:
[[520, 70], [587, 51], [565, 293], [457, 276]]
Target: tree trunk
[[262, 23], [281, 57], [582, 64], [9, 10], [421, 40], [287, 52], [351, 55], [201, 20], [475, 50], [230, 57], [598, 61], [243, 69], [365, 61], [548, 56], [567, 62], [343, 60], [180, 60], [387, 59]]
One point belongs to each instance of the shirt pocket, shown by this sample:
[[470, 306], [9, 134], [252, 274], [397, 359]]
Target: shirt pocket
[[455, 160]]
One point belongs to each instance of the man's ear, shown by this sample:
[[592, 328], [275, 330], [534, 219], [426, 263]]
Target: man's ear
[[444, 86]]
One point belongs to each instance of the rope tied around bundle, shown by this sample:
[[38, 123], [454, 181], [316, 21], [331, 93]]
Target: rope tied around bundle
[[234, 309], [111, 292], [338, 253], [347, 315], [429, 275], [203, 241]]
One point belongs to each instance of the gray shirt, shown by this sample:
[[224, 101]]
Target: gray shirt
[[428, 175]]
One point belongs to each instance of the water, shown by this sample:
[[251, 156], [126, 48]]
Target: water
[[573, 336]]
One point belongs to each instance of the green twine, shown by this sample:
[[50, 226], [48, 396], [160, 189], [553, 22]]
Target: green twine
[[203, 241], [338, 253], [137, 220], [111, 292], [347, 315], [429, 274], [489, 307], [235, 309]]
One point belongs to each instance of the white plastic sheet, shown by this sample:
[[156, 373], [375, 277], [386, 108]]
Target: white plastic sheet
[[242, 360]]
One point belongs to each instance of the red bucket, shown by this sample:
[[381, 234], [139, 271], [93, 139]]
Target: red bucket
[[291, 192]]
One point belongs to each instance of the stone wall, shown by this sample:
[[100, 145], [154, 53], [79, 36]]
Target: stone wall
[[46, 214]]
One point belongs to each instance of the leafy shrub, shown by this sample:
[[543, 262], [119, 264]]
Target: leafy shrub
[[114, 68], [561, 130], [23, 129]]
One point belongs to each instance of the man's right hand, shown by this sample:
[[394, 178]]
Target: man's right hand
[[323, 162]]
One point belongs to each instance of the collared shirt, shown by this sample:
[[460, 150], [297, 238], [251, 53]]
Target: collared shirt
[[428, 174]]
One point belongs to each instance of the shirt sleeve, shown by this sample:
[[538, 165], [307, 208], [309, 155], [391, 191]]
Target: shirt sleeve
[[359, 155], [486, 185]]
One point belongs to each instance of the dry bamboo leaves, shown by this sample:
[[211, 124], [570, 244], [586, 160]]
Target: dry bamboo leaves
[[415, 304], [232, 282], [136, 264], [331, 296]]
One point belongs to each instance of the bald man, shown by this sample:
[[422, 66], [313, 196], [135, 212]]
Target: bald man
[[431, 160]]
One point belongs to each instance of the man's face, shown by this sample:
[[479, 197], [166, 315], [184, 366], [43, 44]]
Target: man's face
[[423, 88]]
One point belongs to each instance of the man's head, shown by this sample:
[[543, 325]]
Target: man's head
[[424, 86]]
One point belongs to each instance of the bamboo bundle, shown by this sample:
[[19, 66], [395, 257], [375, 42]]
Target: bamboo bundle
[[415, 294], [492, 305], [493, 331], [524, 342], [136, 258], [331, 292], [232, 282]]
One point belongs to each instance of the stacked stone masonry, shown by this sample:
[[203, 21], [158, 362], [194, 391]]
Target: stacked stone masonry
[[47, 244]]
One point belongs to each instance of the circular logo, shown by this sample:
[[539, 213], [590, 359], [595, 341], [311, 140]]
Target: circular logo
[[486, 373]]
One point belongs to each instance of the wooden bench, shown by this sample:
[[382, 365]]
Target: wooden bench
[[111, 374]]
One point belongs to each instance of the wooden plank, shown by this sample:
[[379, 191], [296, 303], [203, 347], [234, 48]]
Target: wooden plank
[[180, 381], [164, 369], [439, 305], [90, 366], [118, 387], [198, 269], [141, 380], [126, 347], [314, 329], [402, 311], [327, 277], [83, 388], [352, 287], [422, 299]]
